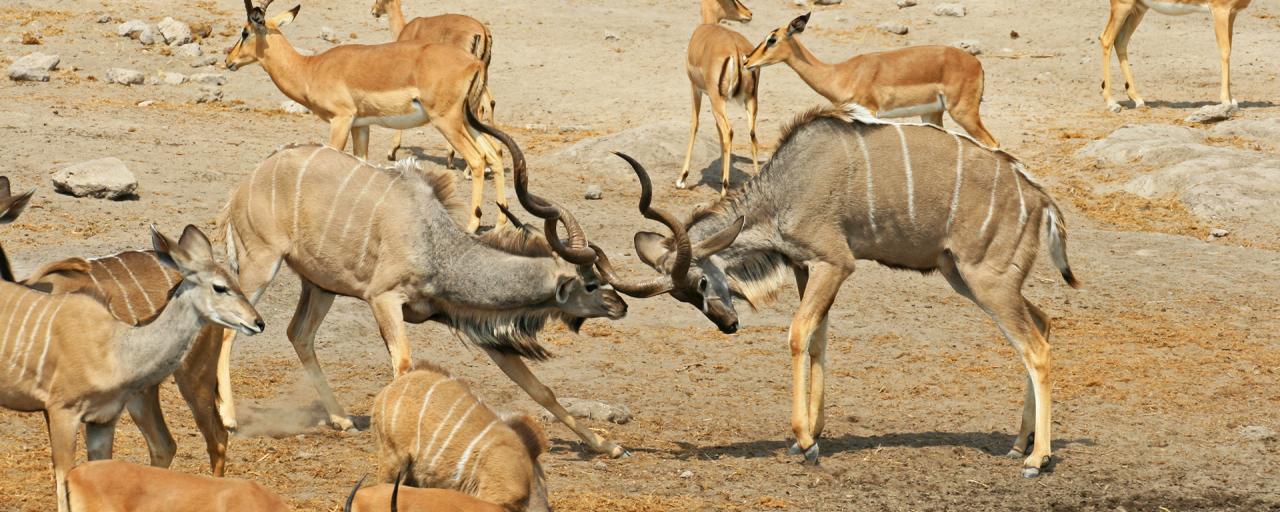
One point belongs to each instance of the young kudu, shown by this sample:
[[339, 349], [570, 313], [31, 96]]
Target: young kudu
[[399, 85], [11, 207], [843, 186], [920, 81], [716, 67], [118, 486], [69, 357], [1127, 14], [393, 245]]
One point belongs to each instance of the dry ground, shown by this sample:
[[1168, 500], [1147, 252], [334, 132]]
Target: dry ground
[[1165, 354]]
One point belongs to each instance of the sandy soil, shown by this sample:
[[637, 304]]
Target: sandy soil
[[1168, 351]]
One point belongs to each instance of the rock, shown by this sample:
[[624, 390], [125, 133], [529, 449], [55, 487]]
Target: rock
[[329, 35], [1265, 131], [168, 78], [131, 28], [969, 45], [893, 28], [594, 410], [1150, 144], [1213, 113], [105, 18], [175, 33], [104, 178], [903, 4], [827, 2], [611, 36], [189, 50], [34, 67], [207, 60], [1013, 34], [956, 10], [209, 78], [31, 38], [1257, 433], [124, 76], [146, 103], [686, 474], [594, 192], [800, 2], [1218, 232], [150, 36], [209, 94], [294, 107], [600, 465]]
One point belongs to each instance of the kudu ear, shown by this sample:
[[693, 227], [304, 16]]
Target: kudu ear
[[284, 18], [184, 254], [11, 206], [719, 241], [652, 248], [797, 25], [563, 288]]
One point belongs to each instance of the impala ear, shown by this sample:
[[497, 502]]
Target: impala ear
[[284, 18], [719, 241], [797, 25], [652, 249]]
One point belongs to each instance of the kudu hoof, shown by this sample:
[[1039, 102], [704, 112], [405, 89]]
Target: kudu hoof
[[614, 451]]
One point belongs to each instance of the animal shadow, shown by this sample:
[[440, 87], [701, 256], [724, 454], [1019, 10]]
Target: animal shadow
[[710, 175], [991, 443], [1187, 105]]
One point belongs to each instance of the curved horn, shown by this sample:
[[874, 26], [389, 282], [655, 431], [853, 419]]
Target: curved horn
[[684, 250], [641, 289]]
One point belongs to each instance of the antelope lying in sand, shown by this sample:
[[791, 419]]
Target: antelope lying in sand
[[843, 186], [920, 81], [394, 245], [11, 207], [717, 67], [399, 85], [69, 357], [462, 32], [375, 497], [117, 486]]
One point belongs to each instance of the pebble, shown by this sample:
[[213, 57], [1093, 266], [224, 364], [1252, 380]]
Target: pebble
[[172, 78], [1218, 232], [827, 2], [903, 4], [207, 60], [686, 474], [105, 18], [329, 35], [610, 36], [956, 10], [131, 28], [209, 78], [34, 67], [600, 465], [800, 2], [189, 50], [209, 94], [175, 33], [1213, 113], [969, 45], [146, 103], [893, 28], [125, 76], [594, 192]]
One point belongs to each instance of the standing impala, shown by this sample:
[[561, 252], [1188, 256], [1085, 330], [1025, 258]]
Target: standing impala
[[398, 85], [1127, 14], [920, 81], [67, 355], [844, 186], [394, 245], [716, 68]]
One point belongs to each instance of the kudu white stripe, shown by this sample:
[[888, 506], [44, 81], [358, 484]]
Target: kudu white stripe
[[48, 336], [395, 411], [297, 187], [991, 209], [871, 193], [911, 187], [373, 219], [351, 212], [128, 303], [31, 343], [13, 356], [4, 342], [333, 205], [471, 476], [168, 281], [466, 453], [146, 296], [440, 426], [955, 194], [426, 400], [449, 439]]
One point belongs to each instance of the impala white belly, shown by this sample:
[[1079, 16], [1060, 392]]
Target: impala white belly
[[932, 107], [1175, 8], [417, 116]]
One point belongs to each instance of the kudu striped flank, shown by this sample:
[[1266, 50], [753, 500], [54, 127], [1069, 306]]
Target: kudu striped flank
[[843, 186], [385, 236], [68, 356], [428, 424], [118, 486], [11, 207]]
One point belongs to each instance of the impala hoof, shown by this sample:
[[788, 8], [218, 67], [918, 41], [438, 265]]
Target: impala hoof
[[680, 183], [1015, 454], [794, 449], [341, 423], [1114, 107], [1139, 104], [1029, 472], [811, 455], [613, 450]]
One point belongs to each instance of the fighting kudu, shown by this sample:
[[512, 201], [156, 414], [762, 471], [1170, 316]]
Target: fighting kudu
[[118, 486], [399, 85], [462, 32], [68, 356], [393, 244], [11, 207], [843, 186], [920, 81], [1127, 14], [715, 66]]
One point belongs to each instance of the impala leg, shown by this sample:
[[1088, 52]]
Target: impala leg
[[62, 442], [395, 145], [1122, 52], [519, 373], [99, 438], [360, 141], [493, 160], [820, 292], [313, 305], [752, 105], [339, 129], [718, 109], [1120, 10], [1224, 20], [965, 107], [145, 410], [387, 312], [455, 131], [197, 380], [693, 136]]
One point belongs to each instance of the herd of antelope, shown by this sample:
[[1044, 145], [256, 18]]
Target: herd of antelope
[[84, 339]]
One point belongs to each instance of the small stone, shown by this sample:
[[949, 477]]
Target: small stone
[[329, 35], [955, 10], [189, 50], [209, 94], [800, 3], [600, 465], [104, 178], [686, 474], [1257, 433], [968, 45], [30, 38], [1213, 113], [294, 107], [827, 2], [610, 36], [174, 32], [168, 78], [903, 4], [1013, 34], [1218, 232], [34, 67], [893, 28], [209, 78], [146, 103], [150, 36], [593, 409], [125, 76], [594, 192], [105, 18], [207, 60], [131, 28]]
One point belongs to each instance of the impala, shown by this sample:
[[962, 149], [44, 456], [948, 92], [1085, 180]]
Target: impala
[[394, 245], [117, 486], [716, 68], [11, 207], [67, 355], [1127, 14], [844, 186], [398, 85], [920, 81], [375, 499]]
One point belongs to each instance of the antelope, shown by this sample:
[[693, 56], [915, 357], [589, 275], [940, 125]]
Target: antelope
[[399, 85], [430, 428], [135, 286], [715, 68], [117, 486], [939, 202], [920, 81], [462, 32], [370, 499], [67, 355], [386, 237], [1127, 14], [11, 207]]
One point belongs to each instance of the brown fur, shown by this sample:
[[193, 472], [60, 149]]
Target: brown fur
[[117, 486], [377, 498]]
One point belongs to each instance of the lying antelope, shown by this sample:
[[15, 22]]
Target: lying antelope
[[399, 85], [135, 286], [431, 428], [373, 498], [394, 245], [920, 81], [117, 486], [462, 32], [1127, 14], [844, 186], [68, 356], [716, 68], [11, 207]]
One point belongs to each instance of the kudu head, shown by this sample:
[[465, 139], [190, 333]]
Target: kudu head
[[690, 273], [10, 207], [779, 45], [252, 46], [219, 299], [732, 10]]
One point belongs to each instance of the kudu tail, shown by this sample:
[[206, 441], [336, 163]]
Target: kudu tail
[[1058, 244]]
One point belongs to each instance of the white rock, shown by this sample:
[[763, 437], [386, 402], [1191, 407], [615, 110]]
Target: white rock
[[209, 94], [1265, 130], [1213, 113], [189, 50], [686, 474], [207, 60], [594, 192], [956, 10], [1218, 232], [209, 78], [104, 178], [1150, 144], [146, 103], [800, 2], [903, 4], [294, 107], [969, 45], [329, 35], [172, 78], [658, 145], [893, 28], [131, 28], [611, 36], [595, 410], [125, 76], [150, 36], [175, 33], [105, 18], [33, 67]]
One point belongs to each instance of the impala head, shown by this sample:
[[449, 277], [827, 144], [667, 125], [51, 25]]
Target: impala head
[[779, 45], [252, 45], [379, 8], [732, 10], [220, 300], [11, 206]]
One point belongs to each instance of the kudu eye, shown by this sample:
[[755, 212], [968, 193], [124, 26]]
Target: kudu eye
[[223, 290], [703, 284], [592, 287]]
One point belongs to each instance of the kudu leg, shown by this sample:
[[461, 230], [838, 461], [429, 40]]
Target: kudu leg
[[144, 409], [62, 426], [1122, 52], [518, 372], [197, 380], [313, 305], [809, 321], [99, 439], [255, 274], [390, 317], [693, 137]]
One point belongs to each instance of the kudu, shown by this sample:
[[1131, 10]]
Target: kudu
[[716, 67], [920, 81], [399, 85], [393, 245], [69, 357], [844, 186], [117, 486], [11, 207]]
